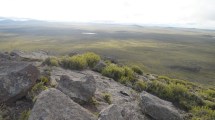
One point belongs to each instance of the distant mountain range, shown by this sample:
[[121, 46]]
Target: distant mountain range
[[20, 21], [5, 21]]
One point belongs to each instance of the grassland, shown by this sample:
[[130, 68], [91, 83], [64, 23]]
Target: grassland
[[178, 53]]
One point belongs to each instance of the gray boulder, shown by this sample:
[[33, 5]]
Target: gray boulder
[[110, 113], [52, 104], [131, 111], [16, 78], [99, 66], [158, 108], [79, 89]]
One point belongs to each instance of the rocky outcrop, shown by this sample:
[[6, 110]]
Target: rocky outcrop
[[80, 90], [124, 97], [158, 108], [99, 66], [52, 104], [32, 56], [57, 72], [110, 113], [16, 78]]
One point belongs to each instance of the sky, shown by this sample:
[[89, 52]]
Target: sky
[[181, 13]]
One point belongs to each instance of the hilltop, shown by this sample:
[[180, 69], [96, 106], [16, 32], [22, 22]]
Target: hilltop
[[86, 86]]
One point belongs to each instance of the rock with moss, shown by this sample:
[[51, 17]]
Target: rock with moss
[[16, 78], [158, 108], [100, 66], [52, 104]]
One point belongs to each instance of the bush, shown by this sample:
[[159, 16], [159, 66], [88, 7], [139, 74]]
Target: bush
[[202, 113], [178, 91], [137, 69], [51, 61], [77, 62], [210, 104], [24, 115], [175, 93], [107, 97], [160, 89], [80, 61], [124, 75], [165, 79], [208, 94], [125, 80], [91, 58], [113, 71], [129, 73]]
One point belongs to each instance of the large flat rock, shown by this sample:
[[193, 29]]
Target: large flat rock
[[52, 104], [80, 90]]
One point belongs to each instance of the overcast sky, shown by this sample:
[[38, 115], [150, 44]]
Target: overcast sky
[[185, 13]]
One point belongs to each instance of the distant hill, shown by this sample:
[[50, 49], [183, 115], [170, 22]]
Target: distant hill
[[20, 21]]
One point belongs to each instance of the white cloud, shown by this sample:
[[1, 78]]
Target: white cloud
[[190, 13]]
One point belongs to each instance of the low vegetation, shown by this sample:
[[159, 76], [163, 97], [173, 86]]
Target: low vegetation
[[188, 96], [123, 74], [93, 101], [75, 62], [36, 89], [107, 97], [203, 113], [52, 61], [137, 69], [25, 115], [191, 97]]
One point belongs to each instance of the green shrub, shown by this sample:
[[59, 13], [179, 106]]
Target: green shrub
[[113, 71], [178, 91], [36, 89], [129, 73], [208, 94], [77, 62], [124, 75], [64, 62], [91, 58], [80, 61], [25, 115], [140, 86], [44, 79], [125, 80], [51, 61], [202, 113], [107, 97], [137, 69], [165, 79], [175, 93], [210, 104], [160, 89]]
